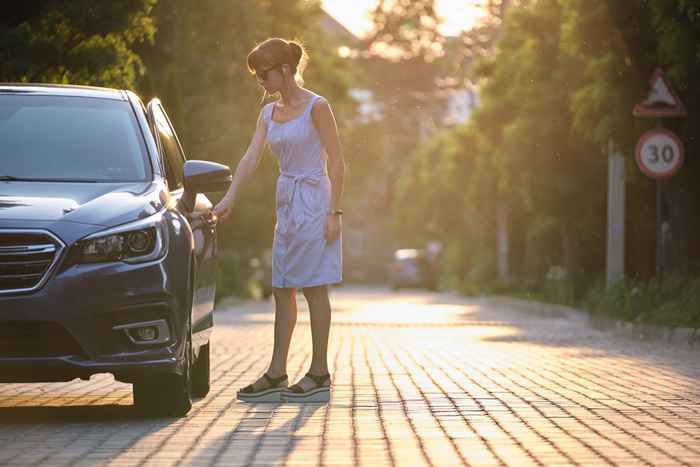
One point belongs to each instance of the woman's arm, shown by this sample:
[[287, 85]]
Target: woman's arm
[[246, 166], [325, 123]]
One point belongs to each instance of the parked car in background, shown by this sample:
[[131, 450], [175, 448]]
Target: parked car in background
[[412, 268], [107, 244]]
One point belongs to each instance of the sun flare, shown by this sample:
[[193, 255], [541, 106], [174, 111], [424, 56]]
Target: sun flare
[[457, 15]]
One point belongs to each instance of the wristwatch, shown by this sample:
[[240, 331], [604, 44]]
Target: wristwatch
[[336, 212]]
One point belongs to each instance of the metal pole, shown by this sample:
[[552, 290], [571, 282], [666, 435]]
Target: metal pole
[[615, 262], [659, 220], [659, 234]]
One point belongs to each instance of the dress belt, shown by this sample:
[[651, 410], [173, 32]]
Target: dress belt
[[290, 198]]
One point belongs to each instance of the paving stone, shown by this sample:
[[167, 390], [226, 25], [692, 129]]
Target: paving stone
[[419, 379]]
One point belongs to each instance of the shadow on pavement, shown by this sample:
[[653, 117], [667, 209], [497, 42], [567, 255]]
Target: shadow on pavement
[[78, 413], [253, 441]]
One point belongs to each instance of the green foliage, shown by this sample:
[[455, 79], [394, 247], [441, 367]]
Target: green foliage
[[233, 275], [76, 42], [671, 302], [609, 84], [557, 89], [519, 151], [417, 193]]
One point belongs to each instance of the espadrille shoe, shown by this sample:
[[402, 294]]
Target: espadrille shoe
[[310, 388], [265, 389]]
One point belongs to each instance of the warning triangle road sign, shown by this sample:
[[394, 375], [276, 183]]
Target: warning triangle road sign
[[662, 100]]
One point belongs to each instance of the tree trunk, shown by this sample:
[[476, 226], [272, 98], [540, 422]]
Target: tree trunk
[[568, 250], [502, 217]]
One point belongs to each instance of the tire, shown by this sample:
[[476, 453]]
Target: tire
[[166, 395], [201, 372]]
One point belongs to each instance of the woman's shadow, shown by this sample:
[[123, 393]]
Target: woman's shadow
[[252, 431]]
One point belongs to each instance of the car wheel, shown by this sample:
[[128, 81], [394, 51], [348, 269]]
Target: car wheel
[[167, 395], [201, 372]]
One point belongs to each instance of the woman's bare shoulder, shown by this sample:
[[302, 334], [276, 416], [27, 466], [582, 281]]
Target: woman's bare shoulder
[[266, 111], [313, 96]]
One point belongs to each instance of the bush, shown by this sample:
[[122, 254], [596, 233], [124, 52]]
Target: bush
[[233, 276], [673, 302]]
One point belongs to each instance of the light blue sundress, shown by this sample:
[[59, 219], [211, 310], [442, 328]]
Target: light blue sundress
[[301, 257]]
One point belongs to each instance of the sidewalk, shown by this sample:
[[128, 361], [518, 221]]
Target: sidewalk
[[685, 337]]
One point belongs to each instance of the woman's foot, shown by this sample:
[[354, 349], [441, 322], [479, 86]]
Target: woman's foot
[[265, 389], [311, 388]]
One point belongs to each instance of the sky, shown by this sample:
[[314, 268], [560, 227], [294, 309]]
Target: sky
[[354, 14]]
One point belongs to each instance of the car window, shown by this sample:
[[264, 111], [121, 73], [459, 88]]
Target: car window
[[172, 152], [71, 139]]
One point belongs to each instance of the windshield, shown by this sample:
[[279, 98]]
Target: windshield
[[70, 139]]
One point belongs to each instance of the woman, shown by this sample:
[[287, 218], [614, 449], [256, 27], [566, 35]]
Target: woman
[[301, 131]]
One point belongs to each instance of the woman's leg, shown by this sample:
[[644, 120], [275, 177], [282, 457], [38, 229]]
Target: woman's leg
[[285, 319], [320, 312]]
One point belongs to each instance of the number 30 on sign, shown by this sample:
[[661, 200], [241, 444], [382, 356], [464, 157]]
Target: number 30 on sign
[[659, 153]]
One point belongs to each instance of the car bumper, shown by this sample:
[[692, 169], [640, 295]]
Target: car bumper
[[66, 329], [55, 369]]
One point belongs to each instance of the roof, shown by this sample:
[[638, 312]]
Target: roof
[[336, 31], [61, 90]]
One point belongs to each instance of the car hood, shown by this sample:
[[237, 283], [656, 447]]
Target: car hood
[[98, 204]]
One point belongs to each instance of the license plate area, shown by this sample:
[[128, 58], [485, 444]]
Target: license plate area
[[30, 339]]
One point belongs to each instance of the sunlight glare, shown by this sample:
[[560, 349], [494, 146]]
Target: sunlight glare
[[457, 15]]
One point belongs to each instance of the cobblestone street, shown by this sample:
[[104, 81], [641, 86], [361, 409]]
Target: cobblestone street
[[418, 379]]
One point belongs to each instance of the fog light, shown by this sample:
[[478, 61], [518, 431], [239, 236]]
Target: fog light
[[147, 334]]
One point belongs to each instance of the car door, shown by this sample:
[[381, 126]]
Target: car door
[[202, 222]]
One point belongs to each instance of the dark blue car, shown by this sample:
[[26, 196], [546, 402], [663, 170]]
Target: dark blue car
[[107, 244]]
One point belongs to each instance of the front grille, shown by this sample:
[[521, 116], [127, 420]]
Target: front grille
[[25, 339], [26, 259]]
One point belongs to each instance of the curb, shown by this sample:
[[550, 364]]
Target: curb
[[686, 337], [540, 308]]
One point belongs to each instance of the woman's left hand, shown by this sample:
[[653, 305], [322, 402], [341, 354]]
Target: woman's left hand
[[332, 231]]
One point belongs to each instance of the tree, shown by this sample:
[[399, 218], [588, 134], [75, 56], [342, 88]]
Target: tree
[[77, 41], [522, 155], [557, 85]]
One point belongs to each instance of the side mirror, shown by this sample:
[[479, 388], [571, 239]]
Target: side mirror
[[204, 177]]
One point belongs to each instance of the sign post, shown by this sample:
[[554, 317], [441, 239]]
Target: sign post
[[660, 152], [615, 264]]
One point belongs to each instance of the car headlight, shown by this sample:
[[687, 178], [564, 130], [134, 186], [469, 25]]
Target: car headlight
[[136, 242]]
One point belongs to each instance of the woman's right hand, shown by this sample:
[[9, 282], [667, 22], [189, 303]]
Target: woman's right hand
[[222, 210]]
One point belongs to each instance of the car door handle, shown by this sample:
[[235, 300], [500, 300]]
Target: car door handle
[[212, 219], [204, 220]]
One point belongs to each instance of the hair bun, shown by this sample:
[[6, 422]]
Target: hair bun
[[296, 52], [278, 51]]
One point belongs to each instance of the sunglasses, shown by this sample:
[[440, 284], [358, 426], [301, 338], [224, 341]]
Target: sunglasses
[[262, 74]]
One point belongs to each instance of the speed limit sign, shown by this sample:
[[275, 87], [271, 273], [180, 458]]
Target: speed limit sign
[[659, 153]]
